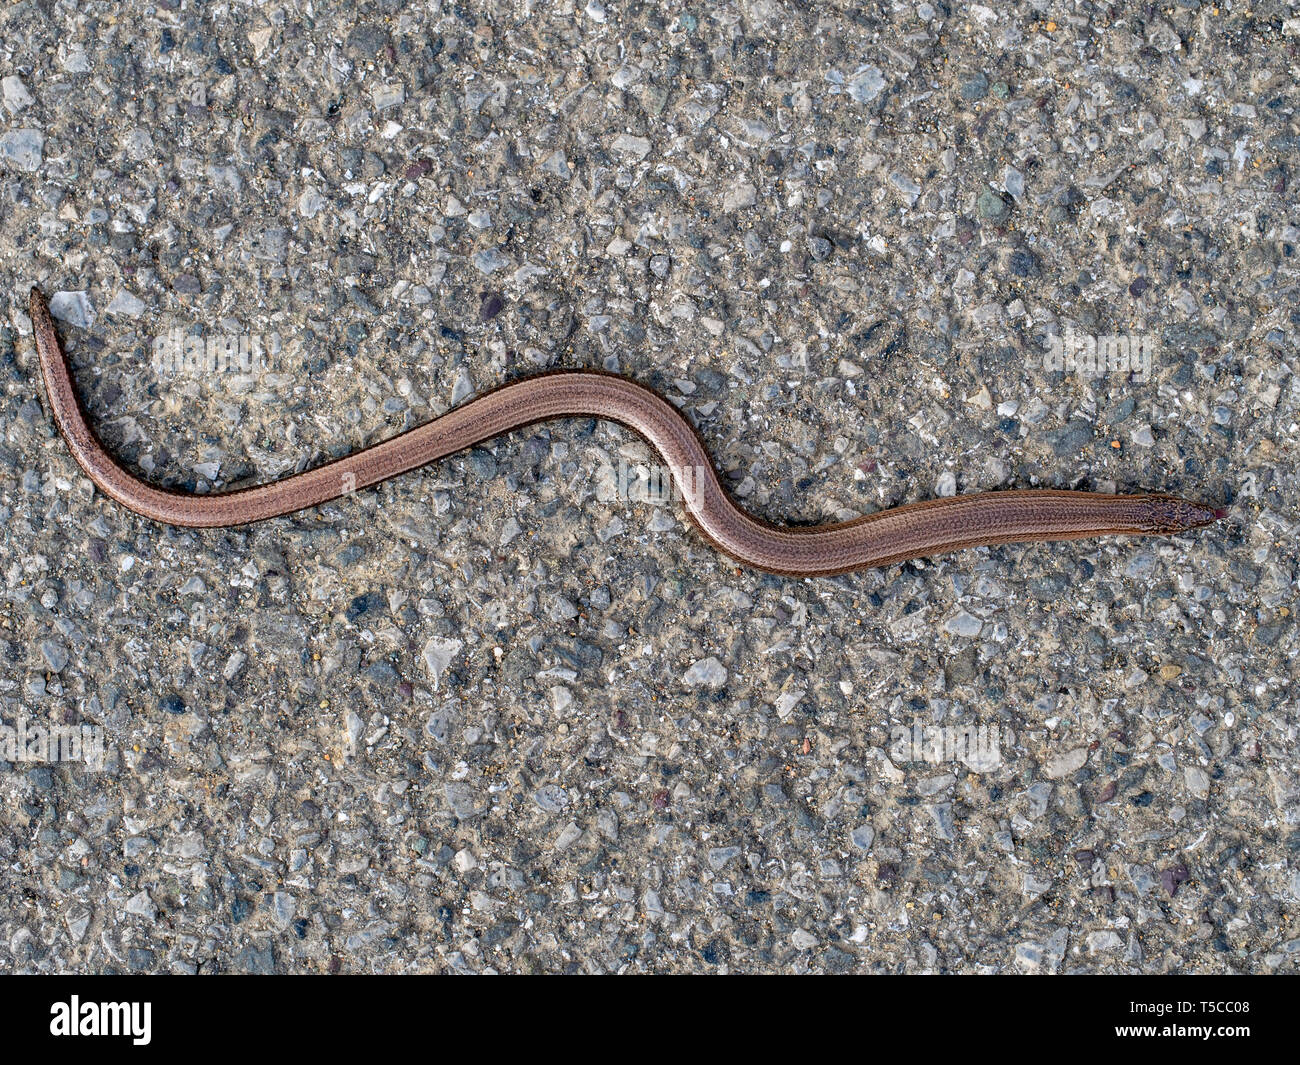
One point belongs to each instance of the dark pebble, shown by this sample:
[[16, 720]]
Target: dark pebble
[[1070, 438], [363, 604], [259, 961], [1173, 877], [1025, 264], [975, 88], [1121, 410], [361, 300], [492, 305], [483, 464], [367, 40]]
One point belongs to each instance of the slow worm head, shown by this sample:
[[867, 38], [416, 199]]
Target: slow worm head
[[911, 531]]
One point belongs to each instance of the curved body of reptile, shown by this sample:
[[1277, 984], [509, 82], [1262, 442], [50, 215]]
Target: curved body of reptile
[[911, 531]]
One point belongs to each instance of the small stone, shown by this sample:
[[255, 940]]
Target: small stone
[[963, 624], [74, 308], [77, 923], [991, 206], [740, 195], [283, 907], [568, 837], [975, 88], [941, 816], [141, 905], [1171, 879], [707, 673], [1162, 36], [1100, 942], [21, 149], [126, 304], [463, 800], [55, 655], [787, 701], [551, 797], [866, 84], [493, 304], [557, 164], [438, 654], [483, 464], [255, 960], [1071, 438], [16, 96], [386, 96], [908, 188], [1029, 957], [1064, 765], [489, 261], [463, 388], [1033, 885], [1014, 182], [310, 203], [76, 61], [260, 40], [1024, 264], [636, 147]]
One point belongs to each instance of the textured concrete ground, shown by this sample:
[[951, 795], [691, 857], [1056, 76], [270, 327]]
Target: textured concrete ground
[[493, 717]]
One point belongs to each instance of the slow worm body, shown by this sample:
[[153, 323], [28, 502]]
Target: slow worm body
[[911, 531]]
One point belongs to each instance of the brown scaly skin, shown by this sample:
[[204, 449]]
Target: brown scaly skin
[[911, 531]]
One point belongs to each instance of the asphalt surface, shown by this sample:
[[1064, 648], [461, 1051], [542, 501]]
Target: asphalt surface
[[506, 714]]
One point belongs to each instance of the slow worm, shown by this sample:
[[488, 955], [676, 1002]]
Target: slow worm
[[911, 531]]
